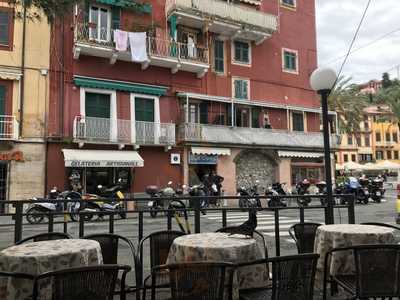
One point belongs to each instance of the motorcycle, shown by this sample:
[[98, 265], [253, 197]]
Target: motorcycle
[[376, 190], [353, 186], [302, 189], [37, 211], [198, 190], [113, 199], [273, 193], [249, 198], [156, 204], [321, 186]]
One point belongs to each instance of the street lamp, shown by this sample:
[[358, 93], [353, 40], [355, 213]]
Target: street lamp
[[322, 81]]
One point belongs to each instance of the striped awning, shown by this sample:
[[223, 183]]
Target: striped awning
[[129, 4], [211, 151], [299, 154]]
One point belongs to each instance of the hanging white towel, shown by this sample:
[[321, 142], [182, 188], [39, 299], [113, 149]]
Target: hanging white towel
[[121, 40], [191, 47], [137, 42]]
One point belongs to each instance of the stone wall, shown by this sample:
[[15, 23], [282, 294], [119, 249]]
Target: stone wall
[[252, 165]]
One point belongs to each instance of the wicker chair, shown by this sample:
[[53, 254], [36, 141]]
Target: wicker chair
[[199, 280], [159, 244], [94, 282], [109, 244], [304, 235], [258, 236], [376, 272], [292, 278], [45, 237]]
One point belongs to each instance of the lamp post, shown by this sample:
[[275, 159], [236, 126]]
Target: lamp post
[[322, 81]]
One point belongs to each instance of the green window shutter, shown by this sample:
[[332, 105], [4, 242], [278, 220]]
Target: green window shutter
[[144, 109], [4, 24], [204, 113], [2, 100], [237, 51], [255, 117], [86, 11], [237, 89], [219, 56], [245, 54], [116, 17], [97, 105], [229, 114]]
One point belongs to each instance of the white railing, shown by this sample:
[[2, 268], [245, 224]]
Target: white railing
[[90, 34], [103, 130], [9, 127], [225, 10], [251, 136]]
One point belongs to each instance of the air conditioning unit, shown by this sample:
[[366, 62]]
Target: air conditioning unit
[[175, 159]]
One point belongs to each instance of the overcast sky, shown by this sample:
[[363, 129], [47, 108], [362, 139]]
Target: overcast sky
[[337, 21]]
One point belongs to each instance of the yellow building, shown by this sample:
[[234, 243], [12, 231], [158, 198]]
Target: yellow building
[[24, 86], [377, 140]]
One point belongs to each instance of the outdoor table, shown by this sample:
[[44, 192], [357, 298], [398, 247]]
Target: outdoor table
[[345, 235], [40, 257], [221, 247]]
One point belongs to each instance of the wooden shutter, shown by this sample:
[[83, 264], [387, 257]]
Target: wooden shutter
[[115, 17], [2, 100], [144, 109], [97, 105], [219, 56]]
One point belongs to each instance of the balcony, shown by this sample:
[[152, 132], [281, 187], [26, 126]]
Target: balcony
[[109, 131], [160, 52], [9, 128], [227, 19], [252, 136]]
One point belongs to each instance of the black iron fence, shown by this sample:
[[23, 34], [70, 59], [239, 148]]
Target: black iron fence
[[18, 213]]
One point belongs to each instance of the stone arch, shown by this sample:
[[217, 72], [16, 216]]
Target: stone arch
[[254, 165]]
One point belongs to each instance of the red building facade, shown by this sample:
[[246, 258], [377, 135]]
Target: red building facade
[[203, 85]]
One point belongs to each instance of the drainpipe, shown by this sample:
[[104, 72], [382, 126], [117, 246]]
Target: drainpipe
[[22, 95]]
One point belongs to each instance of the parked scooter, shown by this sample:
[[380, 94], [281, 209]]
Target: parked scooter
[[321, 186], [274, 194], [249, 198], [376, 189], [38, 211], [302, 188], [156, 204]]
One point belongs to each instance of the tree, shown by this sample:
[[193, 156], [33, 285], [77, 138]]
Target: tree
[[348, 103], [386, 82], [391, 96]]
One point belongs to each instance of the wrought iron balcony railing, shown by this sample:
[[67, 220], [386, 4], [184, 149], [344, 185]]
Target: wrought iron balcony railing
[[104, 130], [9, 127]]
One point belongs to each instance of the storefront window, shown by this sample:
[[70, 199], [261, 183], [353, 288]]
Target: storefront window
[[313, 174]]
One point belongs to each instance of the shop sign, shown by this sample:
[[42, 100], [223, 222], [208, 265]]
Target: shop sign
[[8, 156], [202, 159], [101, 164]]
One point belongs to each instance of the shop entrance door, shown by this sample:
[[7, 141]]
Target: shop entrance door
[[3, 186]]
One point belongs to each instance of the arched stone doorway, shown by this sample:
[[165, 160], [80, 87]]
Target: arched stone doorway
[[252, 165]]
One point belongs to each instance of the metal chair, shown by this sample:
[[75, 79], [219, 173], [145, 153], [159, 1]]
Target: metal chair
[[258, 236], [93, 282], [49, 236], [292, 278], [159, 244], [199, 280], [304, 235], [109, 244], [376, 272]]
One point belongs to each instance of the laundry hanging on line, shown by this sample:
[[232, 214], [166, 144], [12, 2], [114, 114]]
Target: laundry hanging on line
[[121, 40], [137, 41]]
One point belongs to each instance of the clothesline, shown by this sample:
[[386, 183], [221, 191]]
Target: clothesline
[[136, 41]]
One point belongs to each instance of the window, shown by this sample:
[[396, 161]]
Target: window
[[6, 28], [365, 157], [387, 136], [242, 52], [241, 89], [2, 100], [290, 3], [395, 137], [358, 139], [242, 117], [388, 154], [298, 121], [353, 157], [367, 141], [396, 154], [255, 117], [366, 124], [290, 61], [379, 155], [97, 105], [336, 157], [378, 136], [349, 139], [193, 113], [219, 56], [345, 158], [144, 109], [100, 20]]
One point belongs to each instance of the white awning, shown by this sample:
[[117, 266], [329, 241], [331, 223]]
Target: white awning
[[211, 151], [300, 154], [10, 75], [102, 158]]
